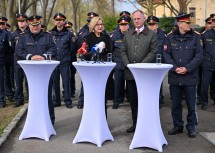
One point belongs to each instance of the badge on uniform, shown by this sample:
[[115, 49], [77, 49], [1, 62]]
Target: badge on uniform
[[17, 41], [165, 47]]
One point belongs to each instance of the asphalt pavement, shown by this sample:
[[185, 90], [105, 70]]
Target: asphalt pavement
[[68, 120]]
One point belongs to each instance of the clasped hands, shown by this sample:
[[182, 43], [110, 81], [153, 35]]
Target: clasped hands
[[37, 58], [181, 70]]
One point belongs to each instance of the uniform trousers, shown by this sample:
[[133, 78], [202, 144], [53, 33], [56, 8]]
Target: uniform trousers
[[72, 80], [2, 89], [176, 93], [9, 76], [207, 78]]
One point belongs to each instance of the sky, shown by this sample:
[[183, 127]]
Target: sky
[[126, 6]]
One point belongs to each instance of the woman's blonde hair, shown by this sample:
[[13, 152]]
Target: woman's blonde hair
[[93, 23]]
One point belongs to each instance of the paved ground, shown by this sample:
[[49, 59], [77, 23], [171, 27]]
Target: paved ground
[[67, 123]]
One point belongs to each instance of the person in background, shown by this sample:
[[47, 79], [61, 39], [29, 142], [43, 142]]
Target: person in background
[[69, 25], [119, 82], [43, 27], [7, 26], [81, 34], [153, 25], [208, 65], [139, 46], [19, 74], [184, 51], [27, 49], [65, 44], [4, 49]]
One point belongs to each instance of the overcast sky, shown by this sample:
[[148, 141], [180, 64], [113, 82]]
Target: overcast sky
[[126, 6]]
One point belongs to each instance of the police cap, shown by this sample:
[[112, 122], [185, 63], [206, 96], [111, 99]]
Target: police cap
[[59, 16], [91, 15], [152, 19], [34, 20], [124, 13], [68, 24], [208, 20], [123, 20], [21, 17], [7, 26], [212, 16], [184, 17], [3, 19]]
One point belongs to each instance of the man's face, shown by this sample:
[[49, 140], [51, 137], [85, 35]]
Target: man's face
[[153, 26], [2, 25], [213, 23], [208, 26], [124, 27], [22, 24], [184, 26], [35, 29], [59, 22], [138, 19]]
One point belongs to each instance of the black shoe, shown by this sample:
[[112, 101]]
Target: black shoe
[[11, 99], [192, 134], [115, 106], [80, 106], [175, 130], [2, 105], [204, 107], [57, 105], [131, 129], [18, 104], [69, 106]]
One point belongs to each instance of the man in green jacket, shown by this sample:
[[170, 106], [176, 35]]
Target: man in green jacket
[[139, 46]]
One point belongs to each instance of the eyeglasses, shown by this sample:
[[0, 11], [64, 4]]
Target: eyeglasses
[[100, 24]]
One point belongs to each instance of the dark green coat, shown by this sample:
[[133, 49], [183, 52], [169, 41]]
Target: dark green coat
[[138, 48]]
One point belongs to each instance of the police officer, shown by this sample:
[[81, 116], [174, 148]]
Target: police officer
[[19, 74], [208, 64], [81, 34], [127, 15], [9, 67], [4, 48], [119, 82], [33, 46], [65, 44], [69, 25], [153, 25], [184, 51]]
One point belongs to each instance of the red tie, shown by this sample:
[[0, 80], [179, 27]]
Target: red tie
[[138, 31]]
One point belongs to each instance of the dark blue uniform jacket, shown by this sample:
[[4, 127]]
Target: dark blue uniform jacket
[[4, 45], [183, 51]]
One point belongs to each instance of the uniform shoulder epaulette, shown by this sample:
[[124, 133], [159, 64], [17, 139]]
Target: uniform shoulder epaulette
[[203, 32], [169, 33], [22, 33], [197, 32], [111, 35]]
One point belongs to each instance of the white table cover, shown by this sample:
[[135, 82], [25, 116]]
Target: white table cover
[[148, 77], [93, 127], [38, 123]]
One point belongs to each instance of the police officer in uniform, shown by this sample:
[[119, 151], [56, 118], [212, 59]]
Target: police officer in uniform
[[153, 25], [208, 64], [69, 25], [81, 34], [65, 44], [19, 74], [119, 82], [184, 51], [9, 67], [4, 48], [33, 46]]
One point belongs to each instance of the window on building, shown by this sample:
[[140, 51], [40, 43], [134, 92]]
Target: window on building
[[192, 11]]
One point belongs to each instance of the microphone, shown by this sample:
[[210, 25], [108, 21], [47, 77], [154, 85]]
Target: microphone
[[82, 50]]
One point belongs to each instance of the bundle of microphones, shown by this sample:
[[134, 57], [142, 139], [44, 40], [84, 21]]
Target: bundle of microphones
[[97, 52]]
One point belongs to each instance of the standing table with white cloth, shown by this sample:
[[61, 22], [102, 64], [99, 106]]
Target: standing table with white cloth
[[93, 127], [148, 77], [38, 123]]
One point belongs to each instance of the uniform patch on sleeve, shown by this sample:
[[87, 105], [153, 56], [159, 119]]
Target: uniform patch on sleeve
[[165, 47], [201, 42]]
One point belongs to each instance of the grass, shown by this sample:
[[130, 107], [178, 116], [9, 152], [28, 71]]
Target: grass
[[6, 115]]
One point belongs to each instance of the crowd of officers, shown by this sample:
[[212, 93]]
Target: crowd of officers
[[31, 42]]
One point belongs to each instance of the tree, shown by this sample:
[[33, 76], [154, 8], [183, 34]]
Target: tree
[[75, 5], [182, 6]]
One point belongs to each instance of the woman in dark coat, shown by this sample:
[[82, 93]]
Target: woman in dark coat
[[96, 36]]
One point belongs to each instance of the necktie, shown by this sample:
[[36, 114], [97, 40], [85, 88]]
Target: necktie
[[138, 31]]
